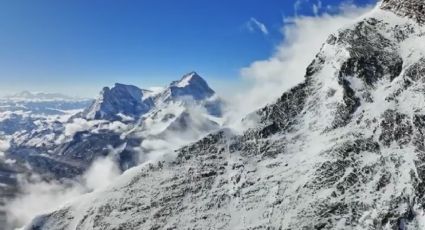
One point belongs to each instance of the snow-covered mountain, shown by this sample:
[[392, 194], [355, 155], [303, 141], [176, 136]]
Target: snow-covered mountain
[[119, 102], [342, 150], [129, 124], [123, 102], [123, 115], [191, 85]]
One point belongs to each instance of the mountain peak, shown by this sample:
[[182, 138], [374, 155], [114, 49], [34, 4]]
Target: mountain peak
[[414, 9], [191, 84], [131, 101], [188, 79], [122, 99]]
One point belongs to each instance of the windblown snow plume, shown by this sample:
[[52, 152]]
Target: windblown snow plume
[[303, 38]]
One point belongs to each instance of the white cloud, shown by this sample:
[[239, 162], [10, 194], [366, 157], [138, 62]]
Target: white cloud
[[78, 125], [38, 197], [101, 173], [4, 145], [254, 25], [268, 79]]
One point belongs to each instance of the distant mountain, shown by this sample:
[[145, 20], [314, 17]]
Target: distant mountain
[[119, 102], [123, 115], [39, 96], [130, 102], [122, 122]]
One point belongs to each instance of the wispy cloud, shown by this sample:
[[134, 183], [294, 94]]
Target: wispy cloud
[[315, 5], [255, 25]]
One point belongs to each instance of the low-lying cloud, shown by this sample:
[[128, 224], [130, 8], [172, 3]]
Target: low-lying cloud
[[38, 196]]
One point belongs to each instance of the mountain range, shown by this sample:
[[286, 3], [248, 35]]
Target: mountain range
[[342, 150], [122, 123]]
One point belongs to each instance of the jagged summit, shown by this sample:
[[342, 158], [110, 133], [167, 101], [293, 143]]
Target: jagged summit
[[129, 101], [190, 84], [187, 79], [414, 9], [121, 100]]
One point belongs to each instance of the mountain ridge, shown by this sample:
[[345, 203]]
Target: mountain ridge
[[133, 102]]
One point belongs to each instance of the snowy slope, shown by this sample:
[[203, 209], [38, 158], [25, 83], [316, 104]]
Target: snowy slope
[[343, 150]]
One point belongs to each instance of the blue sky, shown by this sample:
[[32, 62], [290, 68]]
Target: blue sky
[[78, 46]]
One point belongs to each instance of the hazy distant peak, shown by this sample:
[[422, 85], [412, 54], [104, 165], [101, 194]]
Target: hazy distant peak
[[39, 96]]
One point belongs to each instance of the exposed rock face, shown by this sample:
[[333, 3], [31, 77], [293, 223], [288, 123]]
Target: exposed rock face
[[121, 99], [414, 9], [343, 150]]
